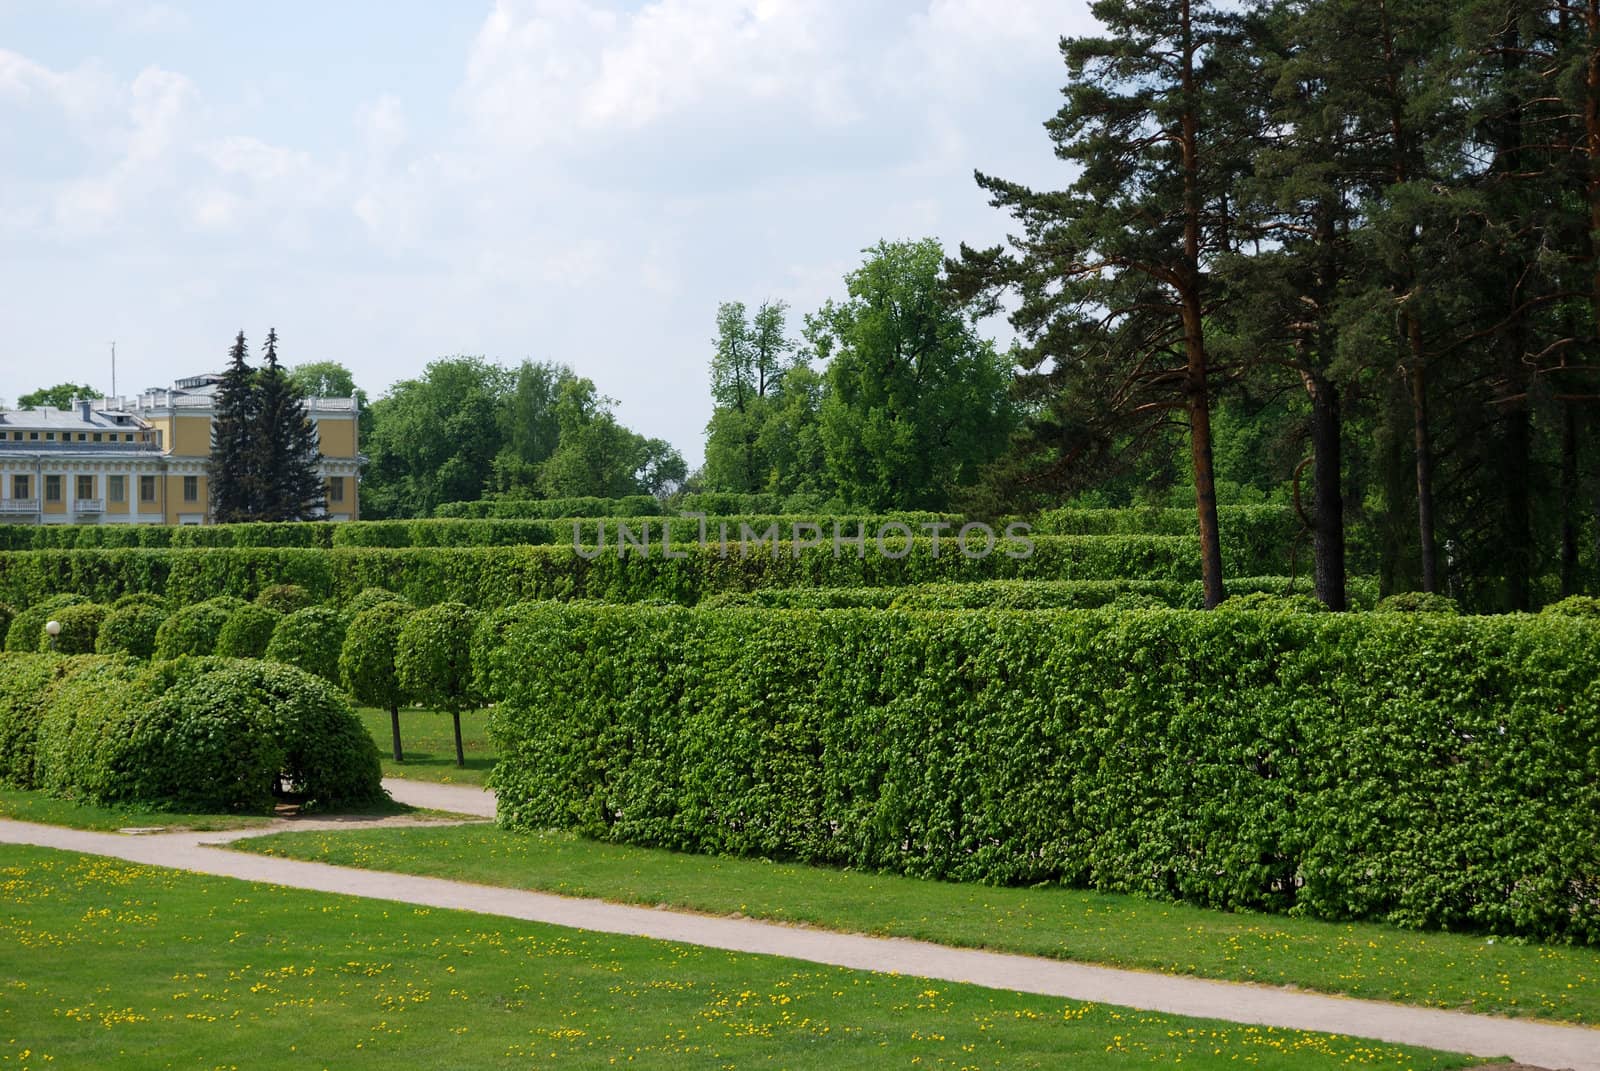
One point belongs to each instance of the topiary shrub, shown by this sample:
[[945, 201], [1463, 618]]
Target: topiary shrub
[[1417, 602], [433, 658], [311, 639], [130, 628], [87, 721], [285, 598], [367, 598], [194, 630], [367, 663], [27, 628], [25, 681], [141, 598], [1272, 602], [329, 758], [247, 632], [80, 626], [1574, 606]]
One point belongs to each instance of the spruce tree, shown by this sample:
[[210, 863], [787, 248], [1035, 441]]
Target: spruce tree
[[285, 446], [230, 471]]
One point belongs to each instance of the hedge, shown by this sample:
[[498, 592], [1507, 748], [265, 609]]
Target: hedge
[[201, 734], [80, 625], [1426, 770], [546, 508], [1034, 595], [499, 576], [92, 536]]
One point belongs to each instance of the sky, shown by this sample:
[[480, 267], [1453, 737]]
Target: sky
[[580, 181]]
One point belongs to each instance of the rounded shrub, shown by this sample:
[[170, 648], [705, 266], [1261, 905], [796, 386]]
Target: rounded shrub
[[284, 598], [1274, 602], [25, 681], [1417, 602], [433, 659], [141, 598], [247, 632], [329, 758], [27, 628], [80, 626], [310, 639], [130, 628], [1574, 606], [367, 663], [194, 630], [86, 725], [367, 598]]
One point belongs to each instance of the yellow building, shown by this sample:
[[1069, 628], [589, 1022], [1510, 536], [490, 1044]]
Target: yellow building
[[143, 460]]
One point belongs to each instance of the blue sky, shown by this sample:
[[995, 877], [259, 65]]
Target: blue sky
[[571, 180]]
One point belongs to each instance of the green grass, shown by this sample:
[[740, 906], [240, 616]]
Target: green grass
[[28, 806], [112, 965], [428, 742], [1365, 960]]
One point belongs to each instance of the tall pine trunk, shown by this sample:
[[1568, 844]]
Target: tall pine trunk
[[1327, 536], [1570, 491], [1197, 398]]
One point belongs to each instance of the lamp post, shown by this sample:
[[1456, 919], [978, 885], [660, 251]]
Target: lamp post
[[54, 629]]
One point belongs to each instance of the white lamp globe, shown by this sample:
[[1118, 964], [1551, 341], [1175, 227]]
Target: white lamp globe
[[53, 627]]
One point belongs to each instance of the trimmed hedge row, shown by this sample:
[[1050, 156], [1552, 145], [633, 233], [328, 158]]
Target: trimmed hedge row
[[499, 576], [547, 508], [202, 734], [1031, 595], [1427, 770]]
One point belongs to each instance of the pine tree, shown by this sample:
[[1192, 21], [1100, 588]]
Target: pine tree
[[230, 472], [1113, 274], [285, 446]]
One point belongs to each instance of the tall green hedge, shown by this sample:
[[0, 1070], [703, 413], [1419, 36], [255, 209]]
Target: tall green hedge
[[1423, 769], [499, 576]]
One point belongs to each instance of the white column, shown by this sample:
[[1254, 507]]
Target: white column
[[133, 495]]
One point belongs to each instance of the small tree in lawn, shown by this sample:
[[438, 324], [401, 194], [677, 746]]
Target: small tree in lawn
[[367, 663], [433, 659]]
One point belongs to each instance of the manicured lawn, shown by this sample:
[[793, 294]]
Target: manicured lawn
[[428, 742], [1366, 960], [113, 965], [26, 806]]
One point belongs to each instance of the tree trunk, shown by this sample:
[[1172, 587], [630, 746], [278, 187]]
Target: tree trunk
[[1423, 443], [1569, 498], [394, 728], [1328, 511], [455, 716], [1197, 397]]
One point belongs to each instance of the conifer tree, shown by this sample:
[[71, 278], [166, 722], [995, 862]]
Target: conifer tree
[[285, 447], [230, 471]]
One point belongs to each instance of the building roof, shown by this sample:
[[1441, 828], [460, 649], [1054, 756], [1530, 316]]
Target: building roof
[[82, 418]]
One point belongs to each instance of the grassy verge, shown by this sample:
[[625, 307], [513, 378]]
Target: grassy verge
[[110, 964], [27, 806], [428, 742], [1365, 960]]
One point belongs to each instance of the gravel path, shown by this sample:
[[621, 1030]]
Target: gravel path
[[1543, 1044], [462, 799]]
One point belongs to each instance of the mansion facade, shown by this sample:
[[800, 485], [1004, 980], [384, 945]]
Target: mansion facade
[[142, 460]]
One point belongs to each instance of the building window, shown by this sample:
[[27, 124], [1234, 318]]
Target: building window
[[49, 436], [83, 437], [147, 488], [335, 488], [33, 436], [97, 436], [191, 488], [85, 487], [52, 488], [117, 488], [19, 487]]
